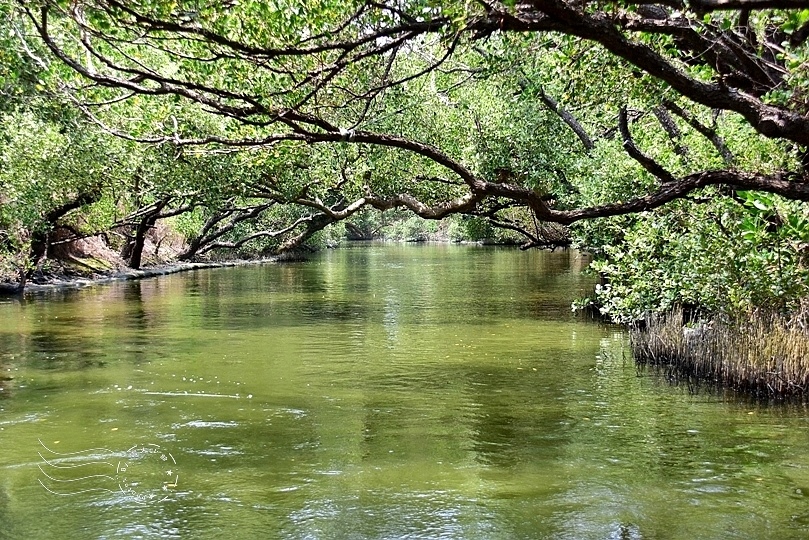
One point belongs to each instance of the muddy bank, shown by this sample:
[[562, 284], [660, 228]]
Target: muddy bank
[[61, 281]]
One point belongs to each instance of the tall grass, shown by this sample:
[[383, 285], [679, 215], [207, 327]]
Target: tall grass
[[765, 355]]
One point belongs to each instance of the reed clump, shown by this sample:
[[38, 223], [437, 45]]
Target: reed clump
[[764, 354]]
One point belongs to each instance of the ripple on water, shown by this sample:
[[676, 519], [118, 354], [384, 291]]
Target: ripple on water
[[435, 514], [206, 424], [219, 450], [25, 419]]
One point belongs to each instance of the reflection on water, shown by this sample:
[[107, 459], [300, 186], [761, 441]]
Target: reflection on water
[[377, 392]]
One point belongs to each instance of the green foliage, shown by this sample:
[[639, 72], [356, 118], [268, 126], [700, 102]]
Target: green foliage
[[718, 252], [411, 229], [724, 257], [190, 223], [474, 229], [41, 169]]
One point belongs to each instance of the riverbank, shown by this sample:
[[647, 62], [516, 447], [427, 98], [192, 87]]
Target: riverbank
[[62, 281], [110, 268]]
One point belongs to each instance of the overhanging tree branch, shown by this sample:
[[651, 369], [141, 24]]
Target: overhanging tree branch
[[568, 119], [600, 27], [779, 184]]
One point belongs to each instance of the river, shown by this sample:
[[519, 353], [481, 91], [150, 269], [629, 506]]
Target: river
[[379, 392]]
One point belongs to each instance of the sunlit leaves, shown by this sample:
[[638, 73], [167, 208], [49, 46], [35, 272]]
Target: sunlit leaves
[[722, 257]]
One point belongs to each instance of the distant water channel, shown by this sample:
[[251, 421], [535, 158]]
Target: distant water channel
[[374, 392]]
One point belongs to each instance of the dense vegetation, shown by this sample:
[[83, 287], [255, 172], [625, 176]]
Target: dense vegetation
[[667, 138]]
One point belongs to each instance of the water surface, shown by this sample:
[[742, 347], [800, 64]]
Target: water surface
[[373, 392]]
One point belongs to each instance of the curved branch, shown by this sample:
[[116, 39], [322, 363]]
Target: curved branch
[[779, 184], [461, 205], [645, 161], [219, 100], [707, 132], [259, 234], [153, 24]]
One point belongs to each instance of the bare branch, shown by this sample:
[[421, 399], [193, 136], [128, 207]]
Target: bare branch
[[645, 161], [568, 119], [259, 234], [671, 129], [707, 132]]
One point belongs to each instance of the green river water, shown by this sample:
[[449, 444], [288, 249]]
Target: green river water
[[376, 392]]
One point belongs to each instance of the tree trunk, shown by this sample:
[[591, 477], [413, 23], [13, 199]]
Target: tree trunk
[[40, 238], [134, 248], [39, 247], [191, 252], [356, 233]]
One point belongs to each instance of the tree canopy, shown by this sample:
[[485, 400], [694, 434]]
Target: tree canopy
[[521, 114], [328, 71]]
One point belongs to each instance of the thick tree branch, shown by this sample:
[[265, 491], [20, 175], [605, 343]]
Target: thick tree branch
[[779, 184], [568, 119]]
